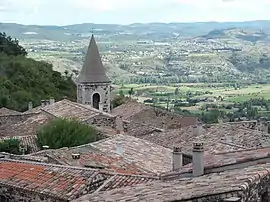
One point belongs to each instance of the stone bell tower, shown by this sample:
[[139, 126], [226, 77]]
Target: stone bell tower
[[93, 85]]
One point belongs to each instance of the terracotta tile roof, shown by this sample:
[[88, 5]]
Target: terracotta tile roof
[[4, 111], [25, 127], [146, 155], [92, 157], [233, 181], [29, 140], [62, 182], [216, 138]]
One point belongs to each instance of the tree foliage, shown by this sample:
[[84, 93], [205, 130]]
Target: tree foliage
[[11, 46], [23, 79], [65, 133], [12, 146]]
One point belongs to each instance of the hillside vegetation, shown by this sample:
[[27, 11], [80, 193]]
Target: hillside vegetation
[[23, 79]]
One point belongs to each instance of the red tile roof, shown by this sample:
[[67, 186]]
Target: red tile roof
[[62, 182], [91, 157]]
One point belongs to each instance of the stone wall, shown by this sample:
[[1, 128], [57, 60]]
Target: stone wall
[[12, 119], [86, 91]]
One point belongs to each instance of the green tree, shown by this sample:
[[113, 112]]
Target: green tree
[[131, 92], [119, 100], [12, 146], [23, 79], [65, 133], [11, 46]]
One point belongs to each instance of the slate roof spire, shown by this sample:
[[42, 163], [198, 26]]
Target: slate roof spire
[[92, 70]]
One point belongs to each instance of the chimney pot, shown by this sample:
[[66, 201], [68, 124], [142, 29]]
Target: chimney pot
[[52, 101], [45, 147], [177, 158], [119, 148], [30, 105], [43, 103], [75, 156], [198, 159]]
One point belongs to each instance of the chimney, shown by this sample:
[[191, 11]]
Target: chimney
[[177, 159], [45, 147], [100, 107], [197, 130], [119, 148], [75, 156], [43, 103], [30, 105], [52, 100], [198, 159]]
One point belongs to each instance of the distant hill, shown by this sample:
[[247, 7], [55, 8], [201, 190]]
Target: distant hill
[[144, 31], [250, 35]]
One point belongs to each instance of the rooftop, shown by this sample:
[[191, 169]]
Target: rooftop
[[127, 110], [216, 138], [68, 109], [149, 156], [155, 117], [92, 158], [25, 126], [5, 111], [62, 182], [233, 181]]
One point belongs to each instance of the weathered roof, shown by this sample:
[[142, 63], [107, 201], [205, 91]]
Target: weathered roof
[[26, 125], [148, 156], [127, 110], [224, 184], [62, 182], [68, 109], [216, 138], [138, 112], [5, 111], [92, 70], [92, 157]]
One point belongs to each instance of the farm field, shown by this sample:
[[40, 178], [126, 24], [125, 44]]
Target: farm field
[[218, 94]]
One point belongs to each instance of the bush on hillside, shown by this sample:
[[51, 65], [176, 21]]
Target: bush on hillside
[[23, 79], [65, 133]]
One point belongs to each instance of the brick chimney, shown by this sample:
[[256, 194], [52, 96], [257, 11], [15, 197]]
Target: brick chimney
[[198, 159], [177, 159], [30, 105]]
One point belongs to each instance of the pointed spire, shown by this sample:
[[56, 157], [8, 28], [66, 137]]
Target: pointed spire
[[92, 70]]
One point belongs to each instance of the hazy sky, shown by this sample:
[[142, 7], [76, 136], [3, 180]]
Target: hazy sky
[[60, 12]]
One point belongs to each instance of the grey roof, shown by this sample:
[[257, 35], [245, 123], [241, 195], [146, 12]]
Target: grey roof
[[92, 70]]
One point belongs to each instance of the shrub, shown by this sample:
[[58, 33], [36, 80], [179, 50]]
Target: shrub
[[65, 133]]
